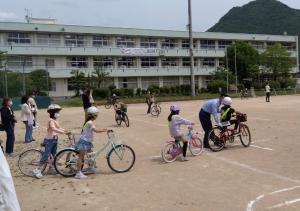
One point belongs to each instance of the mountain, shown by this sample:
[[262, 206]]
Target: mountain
[[260, 17]]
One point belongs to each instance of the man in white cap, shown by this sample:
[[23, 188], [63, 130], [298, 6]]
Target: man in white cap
[[8, 197]]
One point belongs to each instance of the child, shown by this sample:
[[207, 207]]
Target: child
[[227, 111], [51, 139], [175, 121], [120, 107], [84, 144]]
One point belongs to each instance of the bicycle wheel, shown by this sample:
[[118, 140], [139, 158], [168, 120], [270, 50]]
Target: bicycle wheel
[[155, 111], [245, 135], [118, 119], [169, 152], [29, 161], [65, 162], [215, 141], [121, 158], [126, 120], [196, 146], [107, 105]]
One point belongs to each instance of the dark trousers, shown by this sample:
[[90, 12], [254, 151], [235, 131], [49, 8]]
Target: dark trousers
[[268, 97], [10, 138], [206, 125], [34, 121], [149, 107]]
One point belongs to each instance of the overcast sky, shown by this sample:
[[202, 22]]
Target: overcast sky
[[154, 14]]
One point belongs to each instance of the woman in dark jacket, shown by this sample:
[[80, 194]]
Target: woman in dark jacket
[[8, 121]]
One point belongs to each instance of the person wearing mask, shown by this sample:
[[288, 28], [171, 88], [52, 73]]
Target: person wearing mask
[[210, 107], [8, 121], [34, 108], [28, 118]]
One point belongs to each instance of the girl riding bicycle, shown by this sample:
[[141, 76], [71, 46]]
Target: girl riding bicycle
[[84, 144], [175, 121], [51, 139]]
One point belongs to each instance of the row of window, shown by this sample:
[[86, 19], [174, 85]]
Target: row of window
[[75, 40], [109, 62]]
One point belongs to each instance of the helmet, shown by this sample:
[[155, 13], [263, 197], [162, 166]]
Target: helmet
[[53, 108], [174, 108], [114, 95], [92, 111], [227, 101]]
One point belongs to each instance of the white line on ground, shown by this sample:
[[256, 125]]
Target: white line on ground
[[286, 203], [265, 148], [251, 203]]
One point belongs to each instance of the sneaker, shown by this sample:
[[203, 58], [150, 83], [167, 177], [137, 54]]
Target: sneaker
[[91, 170], [80, 175], [37, 173], [184, 158]]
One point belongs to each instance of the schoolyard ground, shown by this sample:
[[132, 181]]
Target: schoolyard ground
[[265, 176]]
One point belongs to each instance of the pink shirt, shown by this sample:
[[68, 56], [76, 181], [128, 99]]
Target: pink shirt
[[174, 125]]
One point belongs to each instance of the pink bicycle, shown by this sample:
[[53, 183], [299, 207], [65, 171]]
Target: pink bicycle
[[173, 148]]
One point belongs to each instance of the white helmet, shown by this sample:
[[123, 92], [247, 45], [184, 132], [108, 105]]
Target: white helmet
[[93, 110], [227, 101], [174, 108], [53, 108]]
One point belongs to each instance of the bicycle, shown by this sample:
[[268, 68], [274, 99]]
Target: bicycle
[[244, 94], [155, 109], [110, 102], [29, 160], [218, 137], [117, 155], [121, 116], [173, 149]]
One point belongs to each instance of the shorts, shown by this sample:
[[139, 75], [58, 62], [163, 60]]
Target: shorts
[[84, 145]]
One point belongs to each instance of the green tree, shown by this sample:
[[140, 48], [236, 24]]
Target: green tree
[[100, 76], [247, 60], [77, 81], [219, 80], [277, 62], [38, 80]]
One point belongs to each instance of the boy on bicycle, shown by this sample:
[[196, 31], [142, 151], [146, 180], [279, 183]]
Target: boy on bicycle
[[120, 107], [226, 113]]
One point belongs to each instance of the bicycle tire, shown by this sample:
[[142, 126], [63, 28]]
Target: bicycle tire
[[215, 143], [155, 111], [244, 133], [29, 160], [69, 165], [168, 152], [107, 105], [126, 120], [118, 119], [196, 146], [115, 153]]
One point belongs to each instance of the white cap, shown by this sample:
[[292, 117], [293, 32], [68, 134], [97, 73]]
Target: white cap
[[174, 108], [93, 110], [227, 101]]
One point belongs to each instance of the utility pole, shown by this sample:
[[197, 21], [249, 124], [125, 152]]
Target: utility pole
[[235, 67], [5, 77], [47, 76], [227, 69], [191, 47], [24, 79]]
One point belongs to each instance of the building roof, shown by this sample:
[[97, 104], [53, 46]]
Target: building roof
[[59, 28]]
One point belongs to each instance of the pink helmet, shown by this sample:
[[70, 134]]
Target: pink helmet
[[174, 108]]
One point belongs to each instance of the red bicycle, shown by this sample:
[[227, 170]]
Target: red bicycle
[[218, 136]]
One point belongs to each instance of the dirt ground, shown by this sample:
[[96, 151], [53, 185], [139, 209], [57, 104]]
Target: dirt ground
[[265, 176]]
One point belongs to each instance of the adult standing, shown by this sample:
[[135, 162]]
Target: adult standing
[[34, 108], [268, 92], [8, 121], [27, 118], [210, 107], [87, 100], [149, 101], [8, 196]]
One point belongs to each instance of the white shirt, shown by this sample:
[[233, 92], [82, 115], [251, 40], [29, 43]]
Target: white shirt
[[8, 196], [268, 88], [87, 131], [174, 125]]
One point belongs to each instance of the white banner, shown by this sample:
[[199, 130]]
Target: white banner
[[140, 51]]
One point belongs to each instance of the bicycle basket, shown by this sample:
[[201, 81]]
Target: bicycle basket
[[242, 117]]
